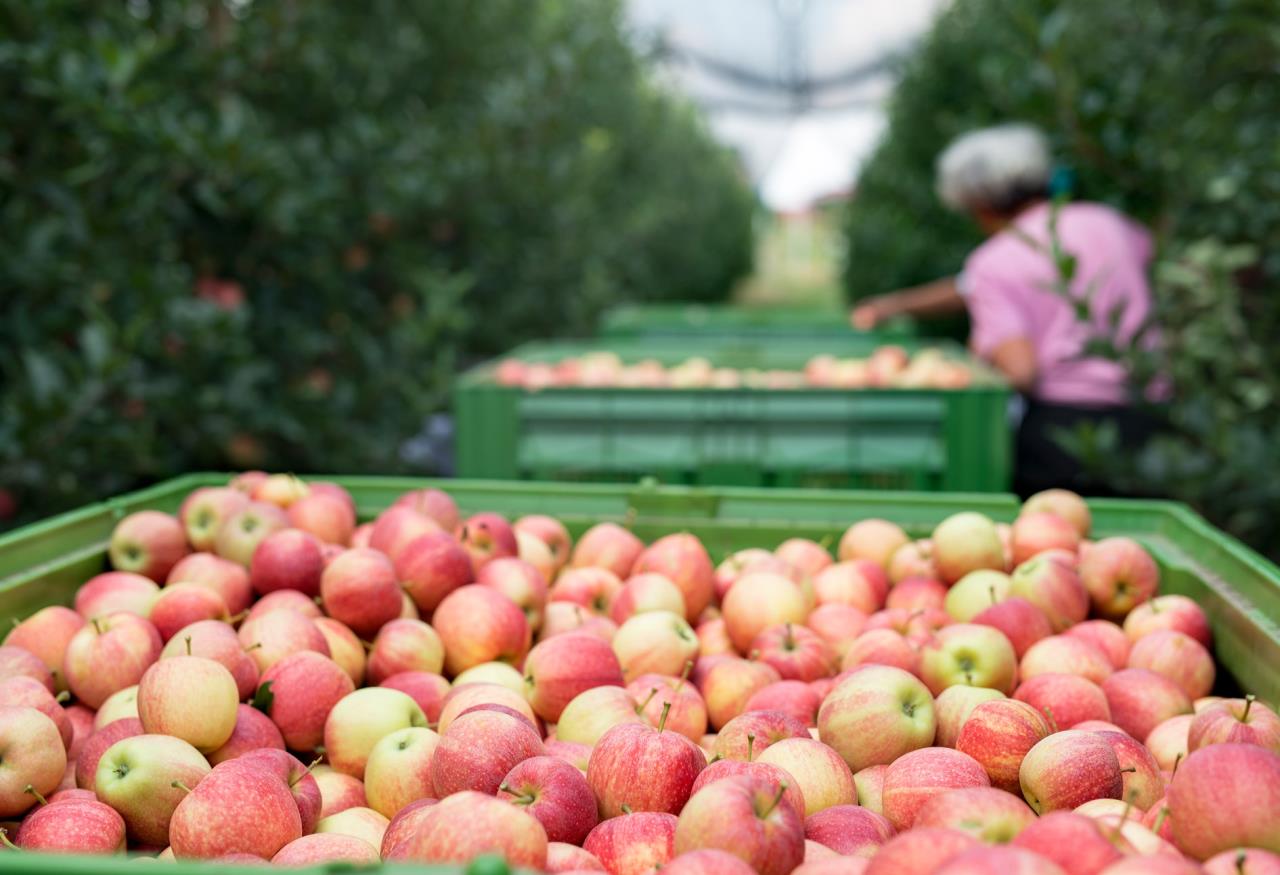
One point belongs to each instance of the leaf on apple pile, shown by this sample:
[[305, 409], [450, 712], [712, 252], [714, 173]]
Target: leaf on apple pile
[[263, 698]]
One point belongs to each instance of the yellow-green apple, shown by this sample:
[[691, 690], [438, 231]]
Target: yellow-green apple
[[46, 634], [1143, 785], [1170, 739], [1060, 654], [312, 850], [870, 785], [1035, 531], [344, 647], [713, 637], [556, 794], [1069, 768], [431, 566], [399, 769], [286, 600], [875, 715], [74, 826], [149, 543], [1238, 721], [435, 503], [120, 704], [465, 825], [1062, 503], [872, 539], [205, 510], [518, 581], [404, 645], [1066, 699], [115, 592], [253, 731], [992, 815], [823, 777], [998, 858], [325, 516], [338, 793], [797, 652], [858, 583], [1226, 796], [359, 588], [975, 592], [281, 490], [573, 753], [657, 642], [1177, 656], [464, 697], [305, 687], [236, 808], [914, 559], [1054, 588], [970, 654], [998, 734], [708, 861], [1140, 700], [479, 624], [881, 647], [730, 684], [360, 719], [397, 527], [837, 625], [1106, 636], [270, 637], [287, 559], [644, 593], [849, 830], [487, 536], [30, 693], [143, 777], [559, 668], [549, 531], [966, 542], [917, 776], [1071, 840], [191, 698], [501, 673], [920, 851], [747, 817], [809, 557], [477, 750], [609, 546], [633, 844], [746, 736], [638, 767], [109, 654], [1243, 861], [757, 601], [356, 820], [683, 560], [687, 714], [1021, 622], [242, 532], [216, 640], [31, 756], [303, 789], [1119, 575], [97, 744], [953, 706], [561, 617], [1175, 612], [718, 770], [247, 481], [794, 698], [181, 604], [592, 712]]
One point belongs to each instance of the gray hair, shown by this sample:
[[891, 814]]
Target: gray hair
[[998, 168]]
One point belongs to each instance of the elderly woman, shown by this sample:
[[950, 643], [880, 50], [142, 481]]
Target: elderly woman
[[1045, 282]]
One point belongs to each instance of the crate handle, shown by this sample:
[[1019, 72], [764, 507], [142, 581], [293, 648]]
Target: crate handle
[[650, 499]]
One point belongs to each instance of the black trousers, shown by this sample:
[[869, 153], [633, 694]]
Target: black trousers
[[1041, 462]]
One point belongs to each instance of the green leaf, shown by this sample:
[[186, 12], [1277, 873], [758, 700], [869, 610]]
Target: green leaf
[[263, 697]]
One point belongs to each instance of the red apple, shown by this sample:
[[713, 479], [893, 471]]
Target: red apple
[[875, 715], [1143, 785], [837, 625], [643, 593], [245, 529], [1119, 575], [478, 624], [1064, 504], [33, 757], [339, 793], [777, 776], [917, 627], [809, 557], [287, 559], [747, 735], [431, 566], [917, 594], [428, 690], [518, 581], [1061, 654], [708, 861], [98, 743], [181, 604], [30, 693], [688, 712], [1006, 860], [1243, 861], [1053, 587], [115, 592], [1069, 768], [191, 698], [683, 560], [758, 601], [1177, 656], [325, 516], [46, 634], [609, 546], [1237, 721], [987, 813], [1021, 622], [397, 527], [311, 850], [1106, 636], [849, 830], [216, 640], [794, 698], [871, 539], [359, 589], [487, 536], [797, 652], [270, 637], [592, 588], [914, 559], [1176, 612], [1140, 700], [478, 749], [882, 647], [1226, 796], [344, 647], [953, 707], [915, 777], [149, 543], [998, 734], [253, 731], [713, 637], [559, 668], [860, 584], [729, 684], [305, 687], [1071, 840], [1169, 740], [1065, 699], [77, 826], [286, 600], [465, 697], [573, 753], [637, 767], [920, 851], [556, 794], [109, 654], [143, 778], [823, 777], [967, 653], [748, 818], [236, 808], [247, 481], [405, 645], [564, 857], [551, 532], [1036, 531], [633, 844], [205, 510]]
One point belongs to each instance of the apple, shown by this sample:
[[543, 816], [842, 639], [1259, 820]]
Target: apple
[[305, 687], [360, 719], [286, 600], [287, 559], [966, 542], [339, 792], [849, 830], [205, 510], [1119, 575], [1003, 859], [361, 535], [478, 749], [858, 583], [46, 634], [637, 767], [871, 539], [247, 481], [609, 546], [147, 542], [405, 645], [747, 735], [573, 753], [181, 604], [808, 557], [1066, 699], [954, 705], [1237, 721], [881, 647], [1243, 861], [245, 529], [730, 684], [919, 775], [970, 654], [758, 601], [31, 755], [1034, 532], [216, 640], [191, 698], [917, 594], [119, 705], [1021, 622], [823, 777], [1106, 636], [431, 566], [500, 673], [1177, 656], [464, 697], [683, 560], [1069, 768], [914, 559], [270, 637], [556, 794], [1054, 588], [837, 625], [794, 698], [487, 536], [550, 531], [708, 861], [253, 731], [875, 715], [109, 654], [303, 789], [592, 588], [30, 693], [1176, 612], [1169, 740], [559, 668], [748, 561], [644, 593], [1143, 785], [688, 712], [633, 844], [359, 589], [399, 769], [870, 785], [281, 490], [1226, 796], [998, 734], [720, 769], [564, 857], [239, 807], [920, 851], [310, 850], [479, 624], [918, 627], [344, 648], [357, 821], [1140, 700], [428, 690], [143, 778], [745, 817], [518, 581], [324, 516], [657, 642], [77, 826], [96, 745], [1062, 654], [397, 527], [1073, 841], [1062, 503], [797, 652], [989, 814], [713, 637], [975, 592], [115, 592]]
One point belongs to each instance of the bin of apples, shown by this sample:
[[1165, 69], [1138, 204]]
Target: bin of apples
[[262, 679], [886, 367]]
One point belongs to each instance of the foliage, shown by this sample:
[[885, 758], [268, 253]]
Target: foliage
[[1166, 110], [266, 233]]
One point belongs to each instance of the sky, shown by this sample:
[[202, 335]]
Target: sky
[[735, 58]]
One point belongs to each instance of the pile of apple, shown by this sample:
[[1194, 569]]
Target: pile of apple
[[886, 367], [262, 679]]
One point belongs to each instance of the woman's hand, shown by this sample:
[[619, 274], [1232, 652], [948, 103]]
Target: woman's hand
[[871, 312]]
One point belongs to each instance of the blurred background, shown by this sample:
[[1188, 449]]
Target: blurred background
[[253, 234]]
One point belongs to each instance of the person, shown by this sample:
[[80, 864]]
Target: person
[[1050, 278]]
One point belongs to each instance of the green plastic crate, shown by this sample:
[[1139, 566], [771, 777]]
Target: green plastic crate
[[725, 322], [918, 439]]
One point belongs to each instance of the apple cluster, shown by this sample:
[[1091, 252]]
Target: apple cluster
[[262, 679], [886, 367]]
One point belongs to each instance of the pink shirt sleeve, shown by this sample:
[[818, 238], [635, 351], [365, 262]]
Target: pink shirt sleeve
[[996, 310]]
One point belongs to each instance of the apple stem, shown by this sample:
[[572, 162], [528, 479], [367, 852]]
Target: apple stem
[[1160, 818], [1248, 703], [666, 710], [788, 639], [715, 759], [753, 655], [97, 626], [315, 762], [1241, 859], [649, 698], [782, 789], [4, 840], [826, 541], [62, 697], [1129, 769], [684, 675], [626, 809], [187, 640], [180, 786], [236, 618], [992, 590], [30, 788], [1176, 761], [751, 743], [254, 646]]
